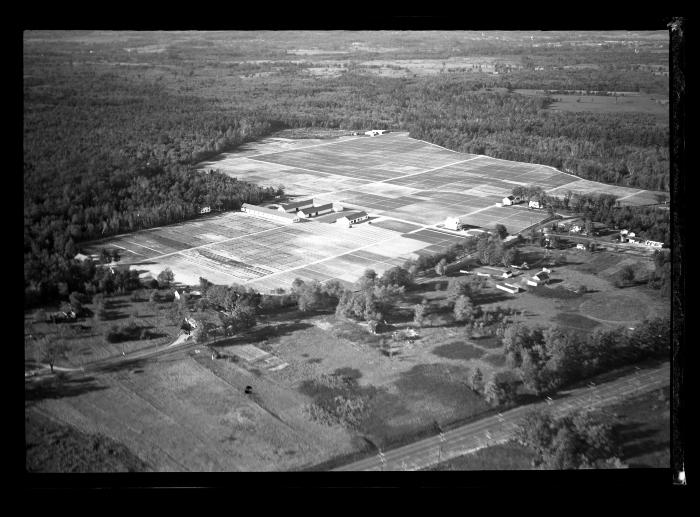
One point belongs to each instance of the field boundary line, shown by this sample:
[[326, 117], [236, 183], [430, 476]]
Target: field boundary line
[[215, 243], [324, 259], [305, 147], [333, 192]]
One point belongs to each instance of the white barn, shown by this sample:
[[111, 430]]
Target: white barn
[[453, 223], [534, 204], [269, 213], [510, 200], [352, 217], [315, 210], [295, 206]]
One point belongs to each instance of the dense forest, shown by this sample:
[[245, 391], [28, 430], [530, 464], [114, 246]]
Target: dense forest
[[110, 138]]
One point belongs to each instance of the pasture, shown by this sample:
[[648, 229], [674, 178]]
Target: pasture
[[408, 186], [640, 103]]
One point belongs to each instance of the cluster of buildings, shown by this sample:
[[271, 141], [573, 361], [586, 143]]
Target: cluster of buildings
[[515, 200], [295, 211], [375, 132]]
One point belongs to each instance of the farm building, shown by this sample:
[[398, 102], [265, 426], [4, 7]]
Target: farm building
[[512, 286], [205, 210], [580, 246], [654, 244], [510, 200], [534, 204], [542, 277], [507, 274], [507, 289], [375, 132], [353, 217], [295, 206], [453, 223], [269, 213], [81, 257], [315, 210], [338, 207]]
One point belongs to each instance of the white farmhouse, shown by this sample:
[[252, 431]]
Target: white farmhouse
[[453, 223], [352, 218], [534, 204]]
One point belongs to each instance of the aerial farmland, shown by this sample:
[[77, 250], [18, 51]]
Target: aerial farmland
[[406, 185], [252, 251]]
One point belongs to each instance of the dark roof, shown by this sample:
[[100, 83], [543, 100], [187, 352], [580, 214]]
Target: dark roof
[[311, 209], [354, 214], [295, 204], [269, 211]]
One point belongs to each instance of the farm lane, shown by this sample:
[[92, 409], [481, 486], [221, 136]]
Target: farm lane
[[501, 427]]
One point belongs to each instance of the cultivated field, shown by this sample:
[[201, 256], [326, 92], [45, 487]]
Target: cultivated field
[[408, 187]]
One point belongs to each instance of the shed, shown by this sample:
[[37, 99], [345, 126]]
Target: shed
[[507, 289], [453, 223], [353, 217], [295, 206], [534, 204]]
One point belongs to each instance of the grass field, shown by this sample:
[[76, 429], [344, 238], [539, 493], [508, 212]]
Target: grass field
[[641, 103]]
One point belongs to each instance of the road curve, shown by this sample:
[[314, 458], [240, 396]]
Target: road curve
[[500, 428]]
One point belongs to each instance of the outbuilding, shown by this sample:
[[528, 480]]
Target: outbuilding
[[295, 206], [534, 204], [269, 213], [315, 210], [507, 289], [453, 223], [352, 218]]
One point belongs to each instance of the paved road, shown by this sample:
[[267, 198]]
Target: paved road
[[500, 428]]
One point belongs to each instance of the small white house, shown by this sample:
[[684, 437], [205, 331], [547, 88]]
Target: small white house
[[507, 274], [507, 201], [624, 232], [205, 210], [631, 234], [81, 257], [337, 207], [453, 223], [580, 247], [375, 132], [654, 244], [534, 204], [352, 218], [575, 229]]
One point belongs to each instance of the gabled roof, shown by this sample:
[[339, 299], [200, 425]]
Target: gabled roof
[[355, 214], [327, 206], [295, 204], [264, 210]]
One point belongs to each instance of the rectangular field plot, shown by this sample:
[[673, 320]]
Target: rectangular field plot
[[515, 220], [409, 183], [397, 226]]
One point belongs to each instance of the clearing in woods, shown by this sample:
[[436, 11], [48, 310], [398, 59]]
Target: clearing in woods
[[407, 186]]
